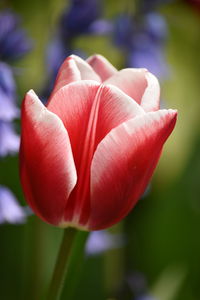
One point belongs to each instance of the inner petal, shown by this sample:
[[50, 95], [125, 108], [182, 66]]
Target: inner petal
[[131, 81]]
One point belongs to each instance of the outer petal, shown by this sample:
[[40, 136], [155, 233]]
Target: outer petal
[[101, 66], [47, 168], [89, 111], [140, 85], [74, 68], [123, 164]]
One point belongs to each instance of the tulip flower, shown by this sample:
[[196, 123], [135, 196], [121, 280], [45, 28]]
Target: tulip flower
[[88, 155]]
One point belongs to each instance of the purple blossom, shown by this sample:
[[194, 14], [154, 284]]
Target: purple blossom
[[9, 140], [156, 26], [146, 54], [10, 210], [8, 109], [80, 15], [143, 41], [13, 44], [123, 31], [101, 241], [13, 40], [100, 26], [7, 82]]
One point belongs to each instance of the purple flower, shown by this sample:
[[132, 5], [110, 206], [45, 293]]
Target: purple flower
[[147, 46], [123, 31], [9, 140], [156, 27], [100, 26], [143, 42], [7, 82], [101, 241], [10, 210], [146, 54], [13, 40], [8, 109], [80, 15]]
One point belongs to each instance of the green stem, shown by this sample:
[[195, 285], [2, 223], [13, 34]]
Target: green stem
[[75, 266], [61, 266]]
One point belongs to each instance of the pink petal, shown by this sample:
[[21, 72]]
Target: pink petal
[[123, 165], [140, 85], [101, 66], [130, 81], [73, 69], [47, 169], [89, 111], [74, 104], [151, 98]]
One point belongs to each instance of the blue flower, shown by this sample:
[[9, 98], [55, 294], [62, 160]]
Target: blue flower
[[143, 42], [123, 31], [13, 40], [10, 210], [81, 17], [8, 108], [9, 140], [81, 14], [146, 54], [100, 27], [101, 241], [156, 27]]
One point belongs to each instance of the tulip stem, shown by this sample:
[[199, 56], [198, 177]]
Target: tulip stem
[[61, 266]]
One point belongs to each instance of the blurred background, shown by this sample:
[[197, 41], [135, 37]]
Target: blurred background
[[154, 254]]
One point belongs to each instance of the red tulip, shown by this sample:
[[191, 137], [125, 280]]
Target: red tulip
[[87, 157]]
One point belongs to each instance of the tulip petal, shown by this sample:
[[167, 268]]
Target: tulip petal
[[151, 98], [123, 165], [74, 105], [101, 66], [130, 81], [140, 85], [47, 168], [68, 72], [89, 111], [73, 69]]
